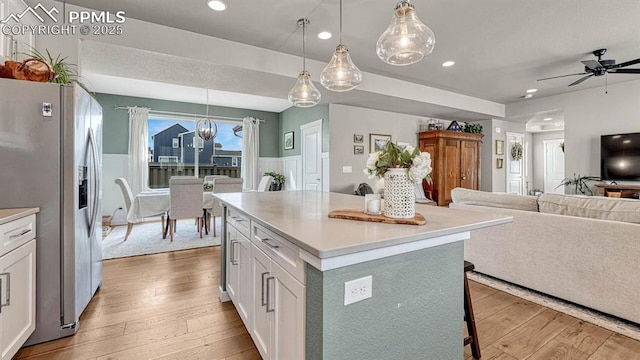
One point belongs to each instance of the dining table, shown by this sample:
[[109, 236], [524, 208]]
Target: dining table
[[154, 202]]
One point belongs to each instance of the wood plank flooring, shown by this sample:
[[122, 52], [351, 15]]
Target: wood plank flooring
[[165, 306]]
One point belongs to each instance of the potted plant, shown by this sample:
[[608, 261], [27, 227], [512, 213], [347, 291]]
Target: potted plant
[[472, 128], [278, 181], [580, 184]]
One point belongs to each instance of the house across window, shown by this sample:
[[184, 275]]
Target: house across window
[[168, 159], [234, 161]]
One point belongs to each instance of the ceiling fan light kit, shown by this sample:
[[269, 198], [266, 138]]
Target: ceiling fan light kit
[[341, 74], [304, 93], [600, 67], [407, 39]]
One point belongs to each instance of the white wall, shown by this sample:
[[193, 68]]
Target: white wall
[[538, 156], [492, 178], [587, 115], [344, 122]]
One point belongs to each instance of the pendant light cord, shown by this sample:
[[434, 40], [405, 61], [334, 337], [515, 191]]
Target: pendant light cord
[[340, 22], [304, 55], [207, 111]]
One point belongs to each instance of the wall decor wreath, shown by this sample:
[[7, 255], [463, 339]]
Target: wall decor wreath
[[516, 151]]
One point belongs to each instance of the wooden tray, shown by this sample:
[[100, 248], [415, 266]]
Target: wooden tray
[[361, 216]]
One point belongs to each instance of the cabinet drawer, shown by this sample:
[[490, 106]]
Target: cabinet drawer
[[15, 233], [239, 221], [279, 250]]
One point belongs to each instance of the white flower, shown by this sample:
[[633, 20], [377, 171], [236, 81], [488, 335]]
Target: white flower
[[372, 160], [409, 149], [415, 174], [418, 160]]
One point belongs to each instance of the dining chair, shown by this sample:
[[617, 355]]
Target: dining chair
[[127, 194], [222, 185], [209, 178], [185, 201], [265, 183]]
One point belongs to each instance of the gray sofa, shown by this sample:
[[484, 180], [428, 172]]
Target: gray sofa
[[578, 248]]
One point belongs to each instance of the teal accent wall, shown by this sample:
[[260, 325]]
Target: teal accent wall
[[291, 120], [415, 311], [116, 122]]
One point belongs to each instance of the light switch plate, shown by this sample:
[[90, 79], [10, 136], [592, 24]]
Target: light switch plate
[[347, 169], [357, 290]]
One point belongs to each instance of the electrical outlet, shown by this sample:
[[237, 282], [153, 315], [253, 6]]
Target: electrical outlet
[[357, 290]]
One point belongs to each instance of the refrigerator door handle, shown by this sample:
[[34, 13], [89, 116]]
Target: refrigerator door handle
[[94, 178]]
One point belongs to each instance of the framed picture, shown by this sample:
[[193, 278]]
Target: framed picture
[[402, 145], [377, 142], [358, 138], [499, 163], [288, 140], [499, 147], [358, 149]]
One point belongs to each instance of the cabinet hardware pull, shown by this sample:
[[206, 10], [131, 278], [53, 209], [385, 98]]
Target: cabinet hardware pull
[[263, 301], [233, 252], [23, 232], [269, 295], [8, 291], [267, 242]]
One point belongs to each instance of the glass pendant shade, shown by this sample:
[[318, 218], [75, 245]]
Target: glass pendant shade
[[206, 129], [304, 93], [341, 74], [407, 39]]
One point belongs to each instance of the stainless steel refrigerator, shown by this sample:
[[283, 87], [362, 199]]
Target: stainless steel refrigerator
[[50, 157]]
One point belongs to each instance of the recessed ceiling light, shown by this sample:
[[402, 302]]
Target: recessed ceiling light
[[626, 141], [448, 63], [531, 91], [547, 119], [217, 5], [528, 96], [325, 35]]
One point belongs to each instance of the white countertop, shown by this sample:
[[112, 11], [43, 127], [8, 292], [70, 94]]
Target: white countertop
[[7, 215], [302, 217]]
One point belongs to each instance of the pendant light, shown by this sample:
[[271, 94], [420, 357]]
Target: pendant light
[[304, 93], [407, 39], [206, 128], [341, 74]]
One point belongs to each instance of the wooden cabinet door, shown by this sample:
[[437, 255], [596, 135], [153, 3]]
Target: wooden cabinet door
[[451, 165], [260, 319], [288, 338], [17, 298], [469, 165]]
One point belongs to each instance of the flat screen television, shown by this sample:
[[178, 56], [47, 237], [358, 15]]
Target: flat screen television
[[620, 157]]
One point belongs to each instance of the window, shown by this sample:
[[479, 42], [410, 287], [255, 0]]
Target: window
[[174, 149]]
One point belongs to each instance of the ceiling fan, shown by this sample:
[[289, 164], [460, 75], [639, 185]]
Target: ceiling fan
[[601, 67]]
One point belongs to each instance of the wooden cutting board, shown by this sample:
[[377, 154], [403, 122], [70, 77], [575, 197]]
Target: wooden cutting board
[[361, 216]]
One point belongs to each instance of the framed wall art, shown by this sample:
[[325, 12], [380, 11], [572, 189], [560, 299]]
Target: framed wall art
[[377, 142], [288, 140], [358, 149], [358, 138], [499, 147]]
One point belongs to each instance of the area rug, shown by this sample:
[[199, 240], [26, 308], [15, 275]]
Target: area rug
[[591, 316], [146, 238]]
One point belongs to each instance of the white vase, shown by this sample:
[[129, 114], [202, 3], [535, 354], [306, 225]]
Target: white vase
[[399, 194]]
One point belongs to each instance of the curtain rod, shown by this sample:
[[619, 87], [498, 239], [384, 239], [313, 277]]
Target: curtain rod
[[184, 114]]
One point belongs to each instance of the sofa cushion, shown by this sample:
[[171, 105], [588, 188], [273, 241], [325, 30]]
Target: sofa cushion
[[595, 207], [498, 200]]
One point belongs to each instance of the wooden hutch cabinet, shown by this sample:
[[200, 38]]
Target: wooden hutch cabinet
[[455, 159]]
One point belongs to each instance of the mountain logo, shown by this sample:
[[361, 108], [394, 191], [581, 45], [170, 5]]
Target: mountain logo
[[34, 12]]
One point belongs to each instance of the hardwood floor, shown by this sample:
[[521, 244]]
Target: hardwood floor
[[165, 306]]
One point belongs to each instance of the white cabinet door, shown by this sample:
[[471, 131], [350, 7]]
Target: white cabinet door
[[288, 333], [233, 269], [17, 298], [260, 329], [18, 44], [242, 253]]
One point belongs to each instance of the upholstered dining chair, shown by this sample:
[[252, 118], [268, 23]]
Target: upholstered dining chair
[[185, 201], [209, 178], [222, 185], [128, 199], [265, 183]]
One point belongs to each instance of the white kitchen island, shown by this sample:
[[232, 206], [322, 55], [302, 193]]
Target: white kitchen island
[[285, 264]]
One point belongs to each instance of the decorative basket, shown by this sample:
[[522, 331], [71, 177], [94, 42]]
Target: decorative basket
[[399, 194], [30, 69]]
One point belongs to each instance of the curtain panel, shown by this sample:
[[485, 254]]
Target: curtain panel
[[138, 149], [250, 152]]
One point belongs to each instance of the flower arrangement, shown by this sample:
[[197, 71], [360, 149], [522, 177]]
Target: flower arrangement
[[393, 156]]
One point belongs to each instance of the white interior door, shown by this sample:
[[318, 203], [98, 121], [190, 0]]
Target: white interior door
[[312, 156], [553, 166], [515, 168]]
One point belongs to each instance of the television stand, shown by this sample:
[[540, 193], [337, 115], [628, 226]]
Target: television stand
[[625, 191]]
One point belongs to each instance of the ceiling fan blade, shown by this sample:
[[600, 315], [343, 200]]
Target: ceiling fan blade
[[580, 80], [591, 64], [625, 71], [561, 76], [626, 63]]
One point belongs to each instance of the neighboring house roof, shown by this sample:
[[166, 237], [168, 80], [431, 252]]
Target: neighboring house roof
[[180, 129]]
